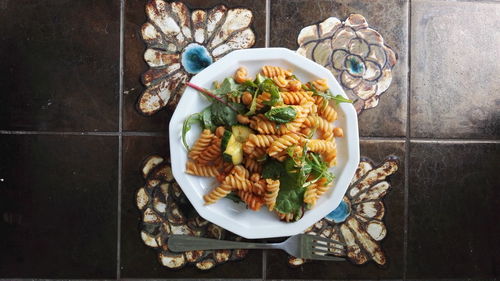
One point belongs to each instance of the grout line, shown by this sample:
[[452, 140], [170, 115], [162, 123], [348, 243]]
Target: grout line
[[268, 22], [453, 141], [384, 139], [153, 134], [120, 143], [407, 146], [264, 265]]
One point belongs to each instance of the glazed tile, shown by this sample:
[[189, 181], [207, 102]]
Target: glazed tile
[[392, 245], [453, 210], [390, 18], [454, 70], [58, 202], [59, 65]]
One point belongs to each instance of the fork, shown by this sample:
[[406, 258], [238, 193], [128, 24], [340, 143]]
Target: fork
[[301, 245]]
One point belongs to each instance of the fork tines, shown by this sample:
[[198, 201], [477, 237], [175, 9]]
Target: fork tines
[[323, 246]]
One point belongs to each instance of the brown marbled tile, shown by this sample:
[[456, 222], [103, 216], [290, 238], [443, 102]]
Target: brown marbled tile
[[454, 70], [392, 245], [58, 206], [59, 65], [453, 210], [134, 64], [390, 18], [141, 261]]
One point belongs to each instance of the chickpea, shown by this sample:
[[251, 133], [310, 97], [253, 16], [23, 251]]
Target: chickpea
[[247, 98], [242, 119], [220, 131], [338, 132]]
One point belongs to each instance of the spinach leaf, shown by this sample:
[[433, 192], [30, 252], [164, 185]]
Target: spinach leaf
[[253, 105], [291, 194], [227, 87], [206, 118], [222, 115], [186, 126], [283, 114], [259, 79], [269, 86], [272, 169], [234, 197]]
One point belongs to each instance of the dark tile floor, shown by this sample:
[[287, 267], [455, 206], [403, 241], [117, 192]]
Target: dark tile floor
[[71, 160]]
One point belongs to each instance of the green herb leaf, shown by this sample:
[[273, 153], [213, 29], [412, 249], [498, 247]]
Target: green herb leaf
[[272, 169], [282, 114], [269, 86], [291, 194], [234, 197], [227, 87], [222, 115], [328, 95], [259, 79], [206, 118], [253, 105], [186, 126]]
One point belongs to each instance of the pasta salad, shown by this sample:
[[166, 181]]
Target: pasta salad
[[268, 141]]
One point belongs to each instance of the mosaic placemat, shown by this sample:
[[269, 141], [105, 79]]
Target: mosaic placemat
[[182, 42]]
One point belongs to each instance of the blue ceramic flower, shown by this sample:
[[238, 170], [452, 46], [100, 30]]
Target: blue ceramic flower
[[195, 58]]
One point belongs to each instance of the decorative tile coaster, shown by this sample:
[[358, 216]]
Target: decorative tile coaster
[[356, 55], [166, 210], [358, 221], [182, 42]]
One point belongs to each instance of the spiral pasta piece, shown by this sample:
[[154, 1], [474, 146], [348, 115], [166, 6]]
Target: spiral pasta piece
[[328, 112], [260, 99], [326, 148], [274, 71], [263, 141], [201, 170], [211, 153], [201, 144], [283, 143], [296, 98], [253, 202], [320, 85], [253, 165], [302, 113], [238, 183], [272, 190], [240, 76], [217, 193], [261, 124], [322, 186], [320, 146], [325, 127], [311, 195], [240, 171], [257, 153], [287, 217], [294, 85], [280, 81]]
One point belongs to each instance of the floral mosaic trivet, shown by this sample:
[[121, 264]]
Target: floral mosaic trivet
[[166, 210], [356, 55], [358, 221], [181, 43]]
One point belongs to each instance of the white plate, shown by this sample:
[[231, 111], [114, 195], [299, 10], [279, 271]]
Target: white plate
[[235, 217]]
